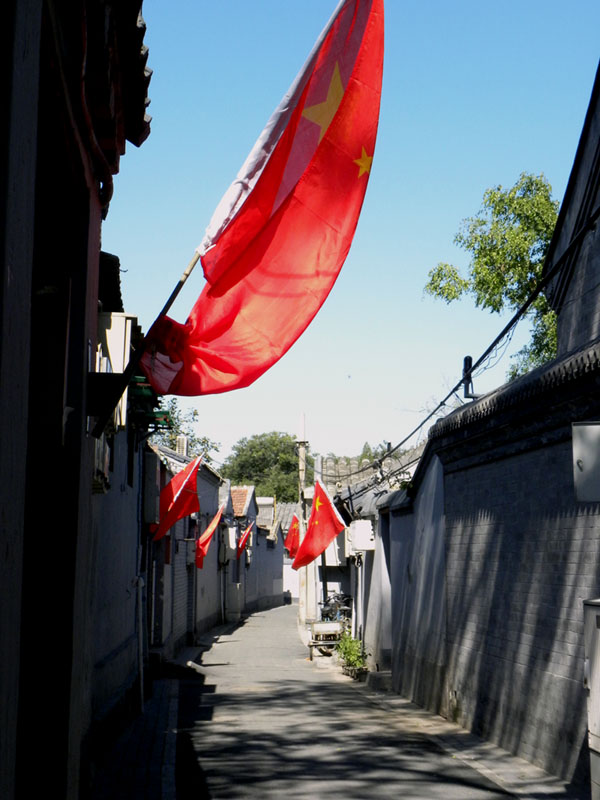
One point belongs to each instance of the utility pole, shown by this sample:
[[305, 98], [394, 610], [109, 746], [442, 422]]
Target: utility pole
[[303, 593]]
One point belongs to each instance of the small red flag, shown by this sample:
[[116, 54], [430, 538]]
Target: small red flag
[[178, 499], [204, 540], [281, 233], [243, 540], [324, 524], [292, 540]]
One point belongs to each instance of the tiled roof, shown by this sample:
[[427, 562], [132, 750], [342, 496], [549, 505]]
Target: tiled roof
[[240, 499], [285, 512], [526, 390]]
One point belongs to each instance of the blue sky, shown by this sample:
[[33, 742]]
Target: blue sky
[[473, 94]]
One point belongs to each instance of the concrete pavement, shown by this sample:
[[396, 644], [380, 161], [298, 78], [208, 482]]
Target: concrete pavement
[[252, 717], [268, 723]]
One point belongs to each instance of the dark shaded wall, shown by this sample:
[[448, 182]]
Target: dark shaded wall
[[418, 596], [56, 187], [117, 612], [20, 57], [521, 557]]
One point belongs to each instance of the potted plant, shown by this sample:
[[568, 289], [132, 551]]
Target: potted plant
[[353, 656]]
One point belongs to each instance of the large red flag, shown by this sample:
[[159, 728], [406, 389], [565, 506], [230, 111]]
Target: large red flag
[[243, 540], [204, 540], [324, 524], [178, 499], [292, 540], [281, 233]]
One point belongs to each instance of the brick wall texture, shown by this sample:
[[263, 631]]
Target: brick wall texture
[[521, 556]]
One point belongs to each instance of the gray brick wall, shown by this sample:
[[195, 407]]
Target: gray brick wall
[[521, 557], [180, 583]]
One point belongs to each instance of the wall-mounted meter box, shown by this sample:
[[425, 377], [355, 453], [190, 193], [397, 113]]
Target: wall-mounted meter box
[[586, 461], [362, 537], [231, 543], [591, 679]]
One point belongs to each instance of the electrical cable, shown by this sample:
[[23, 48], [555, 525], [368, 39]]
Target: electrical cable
[[508, 328], [479, 367]]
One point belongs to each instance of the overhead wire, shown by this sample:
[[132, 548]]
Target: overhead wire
[[508, 329], [485, 360]]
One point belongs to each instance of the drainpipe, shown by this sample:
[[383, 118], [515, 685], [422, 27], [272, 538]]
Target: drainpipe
[[140, 591], [224, 563]]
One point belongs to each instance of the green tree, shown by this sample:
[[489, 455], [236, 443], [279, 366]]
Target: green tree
[[268, 461], [182, 423], [507, 240], [371, 453]]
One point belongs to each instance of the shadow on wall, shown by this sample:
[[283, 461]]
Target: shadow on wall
[[519, 564], [417, 559]]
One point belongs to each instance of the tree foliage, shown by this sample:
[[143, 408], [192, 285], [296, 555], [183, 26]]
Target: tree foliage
[[183, 423], [268, 461], [507, 240], [372, 452]]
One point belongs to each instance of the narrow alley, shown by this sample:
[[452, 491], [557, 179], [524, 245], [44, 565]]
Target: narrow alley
[[252, 717]]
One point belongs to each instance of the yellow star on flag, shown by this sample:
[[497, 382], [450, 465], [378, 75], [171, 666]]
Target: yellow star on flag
[[364, 163], [323, 113], [318, 504]]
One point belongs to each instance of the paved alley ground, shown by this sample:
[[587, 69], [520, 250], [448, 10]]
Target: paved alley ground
[[258, 720]]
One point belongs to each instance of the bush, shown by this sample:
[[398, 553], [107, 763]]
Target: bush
[[351, 651]]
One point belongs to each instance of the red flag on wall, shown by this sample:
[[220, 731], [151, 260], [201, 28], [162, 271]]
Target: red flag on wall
[[281, 233], [292, 540], [243, 540], [324, 524], [178, 499], [204, 540]]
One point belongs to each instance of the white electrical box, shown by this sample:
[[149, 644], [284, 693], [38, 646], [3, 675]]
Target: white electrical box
[[191, 553], [586, 461], [231, 543], [114, 335], [591, 679], [234, 602], [361, 536]]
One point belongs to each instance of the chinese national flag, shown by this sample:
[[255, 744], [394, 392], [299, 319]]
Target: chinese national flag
[[324, 524], [243, 540], [281, 233], [178, 499], [292, 540], [204, 540]]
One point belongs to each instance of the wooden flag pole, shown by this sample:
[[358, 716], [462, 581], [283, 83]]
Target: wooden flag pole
[[136, 357]]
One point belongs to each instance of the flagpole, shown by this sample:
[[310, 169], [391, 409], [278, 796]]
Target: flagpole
[[135, 359], [303, 577]]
